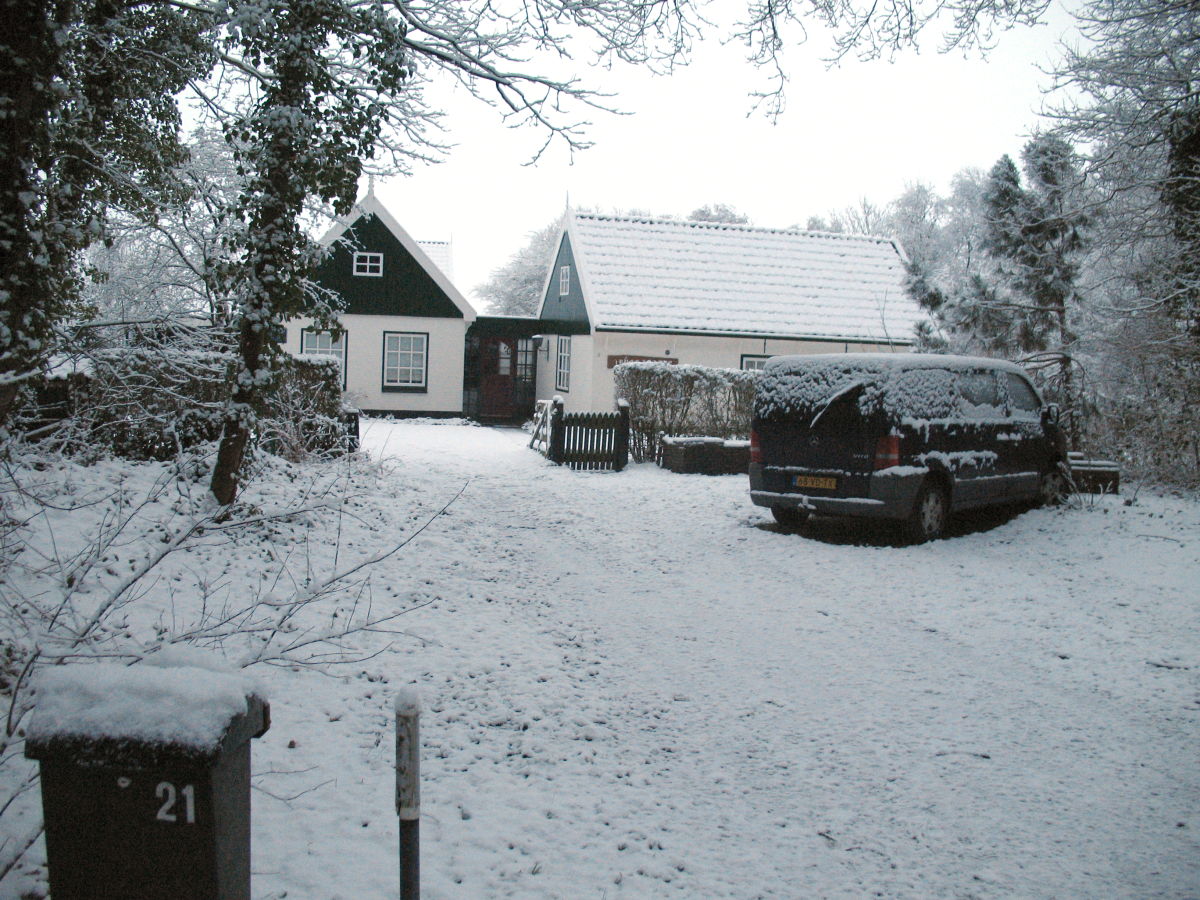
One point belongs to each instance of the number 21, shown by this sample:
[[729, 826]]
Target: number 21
[[166, 792]]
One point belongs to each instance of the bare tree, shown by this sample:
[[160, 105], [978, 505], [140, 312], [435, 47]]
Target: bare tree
[[718, 213], [515, 288]]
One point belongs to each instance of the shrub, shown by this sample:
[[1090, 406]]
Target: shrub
[[678, 400], [152, 402]]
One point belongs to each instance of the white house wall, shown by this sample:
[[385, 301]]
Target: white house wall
[[364, 375], [579, 397], [703, 350]]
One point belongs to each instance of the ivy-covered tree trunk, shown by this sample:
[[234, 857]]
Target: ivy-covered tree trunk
[[88, 120], [30, 62], [274, 205], [322, 67], [1181, 194]]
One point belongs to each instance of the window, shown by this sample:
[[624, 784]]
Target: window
[[753, 363], [325, 343], [370, 264], [1021, 396], [562, 372], [980, 395], [564, 281], [405, 360], [526, 360]]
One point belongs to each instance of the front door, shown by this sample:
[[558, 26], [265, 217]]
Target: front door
[[497, 377]]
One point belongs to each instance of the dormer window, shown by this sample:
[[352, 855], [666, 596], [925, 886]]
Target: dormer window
[[564, 281], [369, 264]]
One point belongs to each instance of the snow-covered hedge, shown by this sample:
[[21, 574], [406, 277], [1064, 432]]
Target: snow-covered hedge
[[152, 402], [667, 399]]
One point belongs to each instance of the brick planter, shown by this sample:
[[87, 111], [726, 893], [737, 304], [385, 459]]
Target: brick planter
[[705, 456], [1095, 476]]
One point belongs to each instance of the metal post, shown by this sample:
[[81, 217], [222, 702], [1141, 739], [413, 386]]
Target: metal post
[[408, 790], [558, 432]]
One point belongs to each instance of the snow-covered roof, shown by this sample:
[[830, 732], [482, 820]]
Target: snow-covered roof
[[668, 275]]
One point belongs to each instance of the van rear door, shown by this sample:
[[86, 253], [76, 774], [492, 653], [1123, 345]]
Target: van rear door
[[824, 449]]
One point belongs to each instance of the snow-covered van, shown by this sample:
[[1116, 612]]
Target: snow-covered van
[[909, 437]]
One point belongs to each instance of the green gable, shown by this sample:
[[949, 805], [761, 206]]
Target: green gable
[[566, 308], [403, 289]]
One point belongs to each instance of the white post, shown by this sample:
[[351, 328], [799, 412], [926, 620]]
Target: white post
[[408, 790]]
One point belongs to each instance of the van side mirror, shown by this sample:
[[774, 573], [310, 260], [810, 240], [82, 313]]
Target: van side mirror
[[1050, 414]]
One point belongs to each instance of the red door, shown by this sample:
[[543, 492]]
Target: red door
[[497, 378]]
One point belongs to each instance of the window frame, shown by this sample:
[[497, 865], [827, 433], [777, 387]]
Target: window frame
[[562, 373], [367, 264], [525, 369], [342, 336], [399, 387], [753, 357], [564, 280]]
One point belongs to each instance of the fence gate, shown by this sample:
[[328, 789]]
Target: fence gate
[[583, 440]]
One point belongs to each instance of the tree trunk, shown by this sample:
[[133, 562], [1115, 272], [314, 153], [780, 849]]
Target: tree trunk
[[277, 198], [30, 60], [235, 432]]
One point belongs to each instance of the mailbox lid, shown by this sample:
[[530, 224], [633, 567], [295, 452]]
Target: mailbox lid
[[143, 716]]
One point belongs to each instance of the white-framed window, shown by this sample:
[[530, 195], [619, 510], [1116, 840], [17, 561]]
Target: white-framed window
[[753, 362], [562, 370], [564, 280], [325, 343], [405, 360], [368, 264]]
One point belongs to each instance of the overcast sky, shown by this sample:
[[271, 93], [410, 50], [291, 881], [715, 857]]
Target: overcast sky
[[690, 139]]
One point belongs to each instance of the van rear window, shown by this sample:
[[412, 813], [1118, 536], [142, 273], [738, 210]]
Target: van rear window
[[922, 393]]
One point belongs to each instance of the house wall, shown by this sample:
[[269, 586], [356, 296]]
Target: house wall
[[704, 350], [568, 307], [579, 397], [402, 288], [364, 352]]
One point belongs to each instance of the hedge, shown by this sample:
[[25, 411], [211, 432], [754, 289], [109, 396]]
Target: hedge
[[152, 402], [683, 400]]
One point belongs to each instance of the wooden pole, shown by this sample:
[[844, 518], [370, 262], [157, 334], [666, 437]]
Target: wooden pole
[[408, 790]]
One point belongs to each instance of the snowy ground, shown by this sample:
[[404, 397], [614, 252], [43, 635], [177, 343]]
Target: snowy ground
[[636, 686]]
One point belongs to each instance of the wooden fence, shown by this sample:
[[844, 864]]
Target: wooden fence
[[582, 440]]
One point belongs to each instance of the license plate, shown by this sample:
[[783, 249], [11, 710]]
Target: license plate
[[820, 482]]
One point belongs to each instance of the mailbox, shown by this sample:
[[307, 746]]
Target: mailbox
[[153, 818]]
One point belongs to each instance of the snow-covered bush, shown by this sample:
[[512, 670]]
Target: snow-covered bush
[[1148, 418], [153, 400], [675, 400], [129, 562]]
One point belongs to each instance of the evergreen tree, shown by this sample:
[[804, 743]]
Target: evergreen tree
[[1036, 236]]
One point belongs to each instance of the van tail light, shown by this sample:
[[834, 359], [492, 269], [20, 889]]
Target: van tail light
[[887, 452], [755, 447]]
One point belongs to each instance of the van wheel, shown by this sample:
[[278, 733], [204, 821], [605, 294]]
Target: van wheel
[[1054, 487], [789, 516], [930, 514]]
